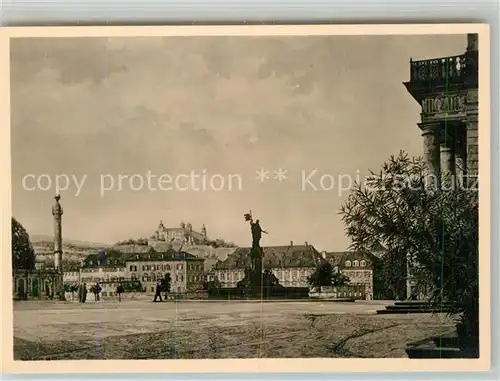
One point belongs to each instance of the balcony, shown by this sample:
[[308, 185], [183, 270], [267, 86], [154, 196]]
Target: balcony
[[446, 72]]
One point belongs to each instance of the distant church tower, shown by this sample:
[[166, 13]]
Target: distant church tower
[[57, 212]]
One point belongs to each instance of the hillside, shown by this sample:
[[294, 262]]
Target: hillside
[[39, 238], [75, 251], [209, 253]]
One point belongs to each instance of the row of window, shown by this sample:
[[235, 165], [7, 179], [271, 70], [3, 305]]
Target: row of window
[[284, 283], [158, 277], [357, 273], [287, 274], [355, 263], [100, 269], [101, 279], [179, 267], [195, 267]]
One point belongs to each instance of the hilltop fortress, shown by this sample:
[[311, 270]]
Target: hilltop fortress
[[184, 234]]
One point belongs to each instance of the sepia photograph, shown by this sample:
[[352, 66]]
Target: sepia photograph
[[248, 196]]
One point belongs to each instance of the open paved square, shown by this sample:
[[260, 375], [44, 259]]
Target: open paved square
[[208, 329]]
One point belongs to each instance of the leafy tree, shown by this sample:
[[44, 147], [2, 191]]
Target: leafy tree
[[166, 283], [339, 280], [322, 275], [23, 254], [269, 279], [131, 241], [213, 287], [132, 286], [430, 231], [219, 242], [381, 277]]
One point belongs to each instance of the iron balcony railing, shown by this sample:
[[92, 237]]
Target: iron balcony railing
[[438, 72]]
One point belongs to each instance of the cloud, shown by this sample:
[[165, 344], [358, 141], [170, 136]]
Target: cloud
[[225, 104], [75, 59]]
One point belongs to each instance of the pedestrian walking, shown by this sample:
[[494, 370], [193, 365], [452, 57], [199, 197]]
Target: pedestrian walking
[[119, 291], [158, 292], [84, 292]]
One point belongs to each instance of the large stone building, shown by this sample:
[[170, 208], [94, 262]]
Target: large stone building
[[356, 266], [291, 264], [447, 91], [141, 263], [184, 233]]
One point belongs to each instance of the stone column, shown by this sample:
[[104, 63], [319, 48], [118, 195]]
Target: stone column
[[460, 153], [431, 136], [447, 161], [57, 212], [471, 108], [472, 136]]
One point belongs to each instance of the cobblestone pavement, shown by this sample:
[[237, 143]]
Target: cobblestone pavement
[[207, 329]]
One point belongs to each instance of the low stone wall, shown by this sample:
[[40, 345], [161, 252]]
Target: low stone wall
[[356, 292], [73, 297]]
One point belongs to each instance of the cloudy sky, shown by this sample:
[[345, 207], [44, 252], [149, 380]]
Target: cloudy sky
[[223, 105]]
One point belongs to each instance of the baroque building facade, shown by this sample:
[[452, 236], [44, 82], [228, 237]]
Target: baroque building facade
[[356, 266], [184, 234], [140, 263], [447, 90], [291, 264]]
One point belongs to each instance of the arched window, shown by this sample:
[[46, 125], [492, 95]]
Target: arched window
[[347, 263], [355, 263], [363, 263]]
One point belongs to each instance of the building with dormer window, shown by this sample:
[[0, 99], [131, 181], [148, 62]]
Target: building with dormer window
[[291, 264], [356, 266]]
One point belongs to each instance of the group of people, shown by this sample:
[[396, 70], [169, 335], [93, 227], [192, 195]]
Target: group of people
[[96, 290], [82, 292]]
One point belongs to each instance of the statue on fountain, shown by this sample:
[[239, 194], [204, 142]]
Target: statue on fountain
[[256, 230], [253, 273]]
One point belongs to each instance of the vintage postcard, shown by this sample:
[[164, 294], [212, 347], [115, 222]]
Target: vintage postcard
[[246, 198]]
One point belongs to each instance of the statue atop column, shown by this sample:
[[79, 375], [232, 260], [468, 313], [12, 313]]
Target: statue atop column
[[57, 212]]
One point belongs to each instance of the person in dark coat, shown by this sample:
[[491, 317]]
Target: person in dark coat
[[80, 293], [158, 292], [84, 292], [119, 291], [97, 291]]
